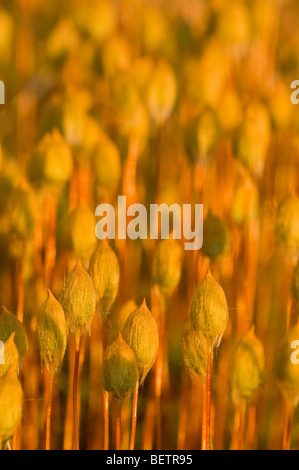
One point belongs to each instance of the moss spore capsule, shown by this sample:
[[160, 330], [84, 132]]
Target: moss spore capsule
[[104, 271], [248, 365], [167, 265], [120, 371], [78, 299], [52, 333], [141, 333], [208, 311]]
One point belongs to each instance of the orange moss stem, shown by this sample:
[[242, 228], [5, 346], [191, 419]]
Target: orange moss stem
[[208, 398], [288, 427], [118, 424], [49, 392], [134, 417], [243, 406], [75, 394], [106, 420]]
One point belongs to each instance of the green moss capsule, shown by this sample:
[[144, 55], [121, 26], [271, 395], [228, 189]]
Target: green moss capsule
[[208, 310], [248, 365], [52, 333], [141, 333], [120, 371], [78, 299], [215, 236], [104, 271]]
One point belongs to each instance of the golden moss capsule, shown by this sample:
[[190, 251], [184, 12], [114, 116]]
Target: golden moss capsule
[[252, 139], [78, 299], [52, 161], [116, 55], [287, 223], [208, 310], [107, 165], [62, 40], [245, 201], [161, 94], [9, 324], [120, 371], [10, 355], [248, 365], [167, 265], [234, 25], [194, 349], [11, 398], [285, 366], [52, 333], [81, 232], [295, 283], [215, 236], [202, 136], [141, 333], [104, 271]]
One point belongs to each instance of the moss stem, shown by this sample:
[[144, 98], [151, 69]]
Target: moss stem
[[208, 397], [75, 394], [134, 417], [48, 409], [106, 420]]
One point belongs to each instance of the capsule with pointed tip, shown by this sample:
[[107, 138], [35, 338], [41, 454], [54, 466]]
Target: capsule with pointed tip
[[104, 271], [208, 310], [141, 333], [52, 333], [78, 299], [120, 371]]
